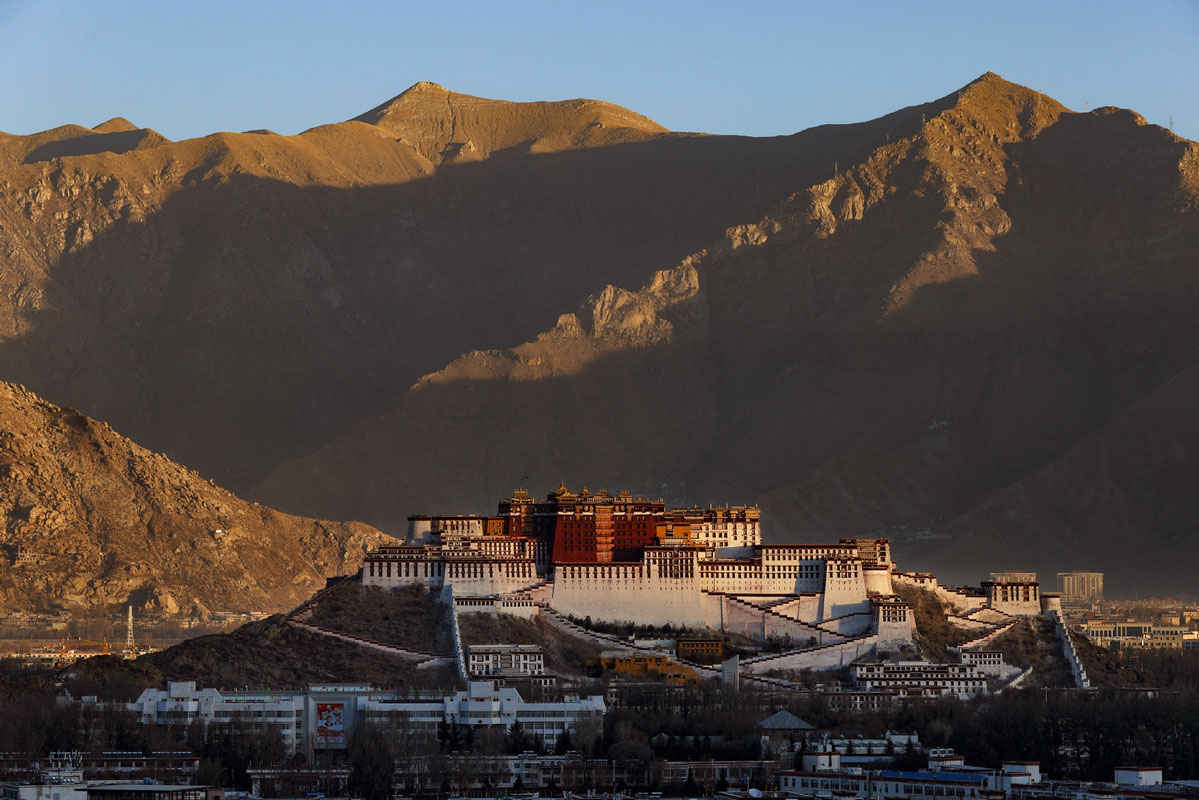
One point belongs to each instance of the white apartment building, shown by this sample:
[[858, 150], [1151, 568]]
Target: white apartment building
[[323, 717], [505, 659], [989, 662], [483, 706], [960, 680], [952, 778]]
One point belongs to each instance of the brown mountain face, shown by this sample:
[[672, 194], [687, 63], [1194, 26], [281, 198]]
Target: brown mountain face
[[92, 520], [968, 324], [444, 125]]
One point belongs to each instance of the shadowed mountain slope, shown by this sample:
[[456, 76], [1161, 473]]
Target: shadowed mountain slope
[[926, 325], [247, 297], [928, 346]]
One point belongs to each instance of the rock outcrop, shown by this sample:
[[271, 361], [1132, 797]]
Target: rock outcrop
[[90, 521]]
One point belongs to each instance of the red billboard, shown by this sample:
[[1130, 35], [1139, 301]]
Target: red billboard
[[330, 720]]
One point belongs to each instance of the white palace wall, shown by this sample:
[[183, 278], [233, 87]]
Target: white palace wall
[[955, 598], [679, 588], [627, 592], [804, 592], [829, 656], [805, 607], [475, 577], [844, 589], [878, 579]]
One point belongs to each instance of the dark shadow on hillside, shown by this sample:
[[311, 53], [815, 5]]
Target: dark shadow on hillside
[[115, 142], [1081, 320], [248, 321]]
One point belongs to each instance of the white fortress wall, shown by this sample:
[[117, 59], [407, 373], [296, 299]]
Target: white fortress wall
[[849, 624], [420, 531], [1018, 598], [483, 578], [844, 588], [804, 607], [878, 579], [474, 577], [969, 623], [788, 608], [392, 569], [958, 600], [626, 592], [799, 632], [830, 656], [516, 606], [894, 621]]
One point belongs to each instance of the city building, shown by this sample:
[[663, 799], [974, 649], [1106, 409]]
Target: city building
[[783, 725], [864, 702], [170, 764], [573, 771], [63, 780], [323, 717], [702, 650], [151, 791], [858, 748], [823, 775], [1080, 588], [959, 680], [484, 660], [988, 662], [1136, 634], [647, 664], [299, 781]]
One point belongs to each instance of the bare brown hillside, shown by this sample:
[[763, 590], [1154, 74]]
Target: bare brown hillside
[[968, 324], [976, 340], [91, 520], [248, 297]]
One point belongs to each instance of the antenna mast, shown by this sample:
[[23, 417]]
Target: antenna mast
[[129, 635]]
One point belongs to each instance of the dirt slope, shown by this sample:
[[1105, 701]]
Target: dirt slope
[[92, 520]]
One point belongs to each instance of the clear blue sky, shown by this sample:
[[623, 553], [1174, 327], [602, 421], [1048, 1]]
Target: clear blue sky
[[760, 68]]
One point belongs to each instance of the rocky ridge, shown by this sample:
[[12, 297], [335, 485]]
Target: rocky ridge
[[92, 521], [953, 325], [924, 345]]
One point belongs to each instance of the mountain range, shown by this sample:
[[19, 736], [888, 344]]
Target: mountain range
[[968, 325]]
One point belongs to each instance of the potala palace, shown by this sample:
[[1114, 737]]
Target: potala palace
[[626, 559]]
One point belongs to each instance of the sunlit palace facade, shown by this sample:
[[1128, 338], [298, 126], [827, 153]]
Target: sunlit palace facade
[[625, 558]]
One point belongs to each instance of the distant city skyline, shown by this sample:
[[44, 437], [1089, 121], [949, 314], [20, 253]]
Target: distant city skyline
[[769, 68]]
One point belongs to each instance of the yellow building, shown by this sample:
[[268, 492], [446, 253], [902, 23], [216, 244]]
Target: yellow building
[[647, 664], [703, 650]]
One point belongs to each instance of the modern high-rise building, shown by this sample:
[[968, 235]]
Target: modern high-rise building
[[1080, 587]]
